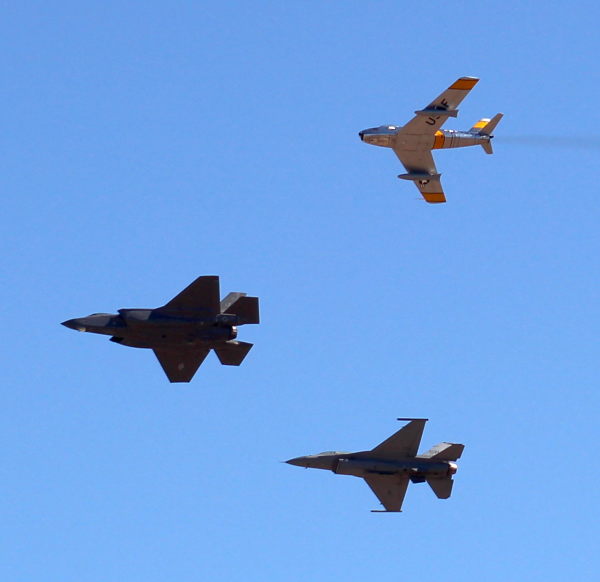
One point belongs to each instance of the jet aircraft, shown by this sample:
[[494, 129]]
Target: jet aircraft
[[182, 332], [390, 466], [414, 142]]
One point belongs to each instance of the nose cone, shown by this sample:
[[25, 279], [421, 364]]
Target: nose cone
[[75, 324], [361, 134], [298, 462]]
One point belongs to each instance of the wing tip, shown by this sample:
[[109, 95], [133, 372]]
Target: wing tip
[[465, 83], [434, 197]]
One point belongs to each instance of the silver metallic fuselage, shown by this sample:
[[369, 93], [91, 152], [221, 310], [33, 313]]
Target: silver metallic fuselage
[[389, 136]]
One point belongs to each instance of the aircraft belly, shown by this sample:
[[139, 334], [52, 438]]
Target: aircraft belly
[[426, 142], [169, 338], [366, 467], [407, 142]]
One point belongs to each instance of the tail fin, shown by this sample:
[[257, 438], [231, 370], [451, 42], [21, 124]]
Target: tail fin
[[444, 452], [480, 125], [441, 487], [246, 308], [489, 127], [486, 126]]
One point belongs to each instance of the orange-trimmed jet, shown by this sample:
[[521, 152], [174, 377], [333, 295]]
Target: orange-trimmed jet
[[414, 142]]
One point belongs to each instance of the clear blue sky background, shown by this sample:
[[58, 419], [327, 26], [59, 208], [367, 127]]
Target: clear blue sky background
[[147, 143]]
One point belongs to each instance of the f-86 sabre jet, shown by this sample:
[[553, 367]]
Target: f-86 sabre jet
[[390, 466], [182, 332], [414, 142]]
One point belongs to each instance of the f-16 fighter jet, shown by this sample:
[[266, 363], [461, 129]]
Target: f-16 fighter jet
[[182, 332], [413, 142], [389, 467]]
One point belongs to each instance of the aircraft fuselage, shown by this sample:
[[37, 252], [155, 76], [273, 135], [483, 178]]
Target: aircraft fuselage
[[148, 328], [388, 136], [363, 465]]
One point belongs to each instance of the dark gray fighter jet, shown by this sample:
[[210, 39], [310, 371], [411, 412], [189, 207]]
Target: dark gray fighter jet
[[389, 467], [182, 332]]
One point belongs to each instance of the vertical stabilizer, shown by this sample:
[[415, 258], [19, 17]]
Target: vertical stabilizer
[[246, 308], [489, 127], [480, 125], [486, 125]]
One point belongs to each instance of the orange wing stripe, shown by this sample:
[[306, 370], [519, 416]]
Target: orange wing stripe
[[434, 197], [464, 84]]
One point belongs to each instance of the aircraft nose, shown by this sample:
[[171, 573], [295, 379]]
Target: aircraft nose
[[73, 324], [361, 134], [298, 462]]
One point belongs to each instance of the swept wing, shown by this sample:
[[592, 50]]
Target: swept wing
[[420, 162], [389, 490], [203, 294], [180, 365], [429, 120], [404, 443]]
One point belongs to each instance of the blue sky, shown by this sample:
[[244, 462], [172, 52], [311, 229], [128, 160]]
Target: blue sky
[[147, 143]]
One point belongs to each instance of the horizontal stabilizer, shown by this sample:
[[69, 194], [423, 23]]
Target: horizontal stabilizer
[[246, 308], [444, 452], [487, 146], [232, 353], [441, 487]]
